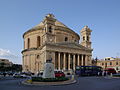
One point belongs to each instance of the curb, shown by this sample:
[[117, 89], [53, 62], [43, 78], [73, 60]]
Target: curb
[[49, 84], [115, 77], [111, 77]]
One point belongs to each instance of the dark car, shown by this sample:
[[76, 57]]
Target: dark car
[[59, 74], [110, 70], [10, 73]]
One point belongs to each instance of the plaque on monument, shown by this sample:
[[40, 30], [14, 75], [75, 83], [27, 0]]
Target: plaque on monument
[[48, 69]]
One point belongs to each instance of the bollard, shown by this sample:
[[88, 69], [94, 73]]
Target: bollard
[[111, 74], [72, 77]]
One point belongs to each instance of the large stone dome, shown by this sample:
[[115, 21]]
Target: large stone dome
[[58, 24]]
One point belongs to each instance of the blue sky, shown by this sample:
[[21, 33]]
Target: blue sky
[[102, 16]]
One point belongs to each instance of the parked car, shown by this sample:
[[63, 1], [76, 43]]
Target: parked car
[[26, 73], [18, 75], [59, 74], [1, 73], [10, 73], [40, 74], [110, 70], [68, 75]]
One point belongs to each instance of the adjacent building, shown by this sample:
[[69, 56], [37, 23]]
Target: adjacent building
[[109, 62], [51, 39], [5, 63]]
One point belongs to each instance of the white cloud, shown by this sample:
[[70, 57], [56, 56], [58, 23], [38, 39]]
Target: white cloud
[[7, 54], [4, 52]]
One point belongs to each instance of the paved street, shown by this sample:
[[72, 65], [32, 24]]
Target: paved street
[[84, 83]]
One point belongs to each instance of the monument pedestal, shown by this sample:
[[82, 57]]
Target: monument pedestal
[[48, 70]]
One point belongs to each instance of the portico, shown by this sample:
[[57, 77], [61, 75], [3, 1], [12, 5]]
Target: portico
[[70, 60]]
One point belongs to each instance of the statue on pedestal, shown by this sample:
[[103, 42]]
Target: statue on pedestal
[[48, 69]]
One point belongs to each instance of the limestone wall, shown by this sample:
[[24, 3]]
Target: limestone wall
[[60, 36]]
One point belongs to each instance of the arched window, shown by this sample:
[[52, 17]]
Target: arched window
[[50, 29], [87, 38], [106, 64], [66, 38], [83, 38], [28, 43], [38, 56], [116, 63], [38, 41], [102, 64], [110, 63]]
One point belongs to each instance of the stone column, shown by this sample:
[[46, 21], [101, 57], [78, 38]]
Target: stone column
[[82, 61], [30, 62], [86, 60], [78, 60], [90, 61], [27, 63], [34, 63], [58, 61], [74, 62], [68, 61], [53, 58], [64, 63]]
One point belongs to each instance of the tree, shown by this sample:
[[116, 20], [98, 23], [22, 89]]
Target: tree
[[17, 67], [14, 67]]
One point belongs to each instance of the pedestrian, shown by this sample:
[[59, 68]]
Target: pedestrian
[[103, 73], [106, 73], [98, 73]]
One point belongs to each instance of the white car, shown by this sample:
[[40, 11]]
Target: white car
[[17, 75]]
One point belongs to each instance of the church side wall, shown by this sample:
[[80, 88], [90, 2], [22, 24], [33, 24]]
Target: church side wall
[[34, 60], [33, 39]]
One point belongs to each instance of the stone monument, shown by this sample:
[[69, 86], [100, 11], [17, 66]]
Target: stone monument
[[48, 69]]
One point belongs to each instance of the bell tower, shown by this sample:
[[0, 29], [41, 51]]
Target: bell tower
[[49, 23], [49, 27], [86, 36]]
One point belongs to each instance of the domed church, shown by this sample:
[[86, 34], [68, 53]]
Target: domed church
[[52, 40]]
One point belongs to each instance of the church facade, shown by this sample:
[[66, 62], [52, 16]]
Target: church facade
[[53, 40]]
